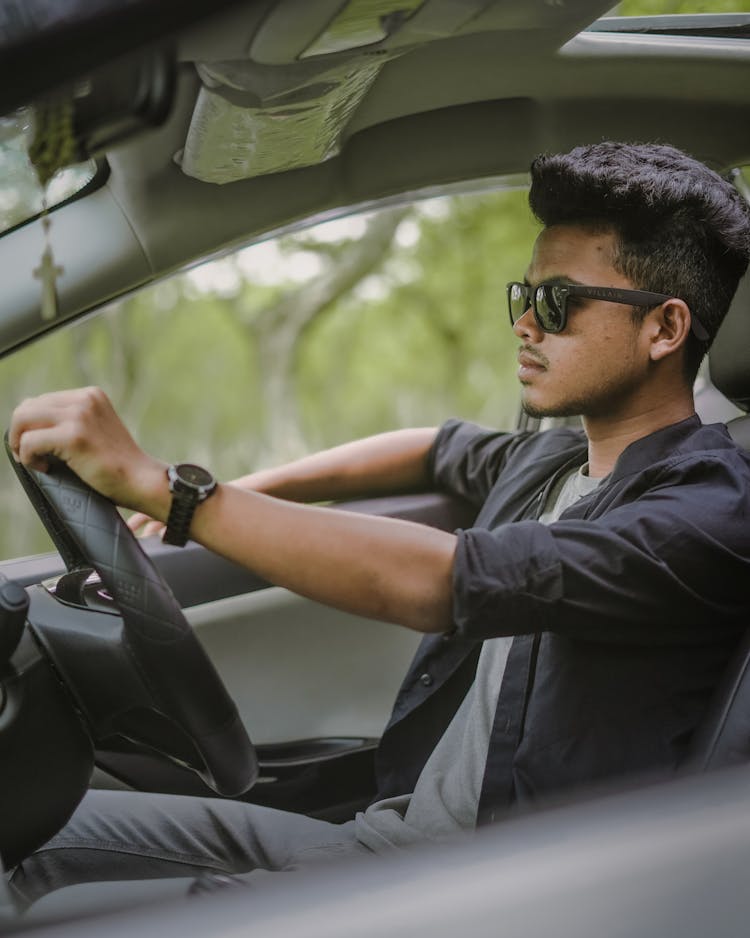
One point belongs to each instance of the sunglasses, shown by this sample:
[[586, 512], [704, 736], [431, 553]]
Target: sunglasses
[[550, 303]]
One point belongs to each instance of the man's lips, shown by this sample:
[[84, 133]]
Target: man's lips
[[530, 364]]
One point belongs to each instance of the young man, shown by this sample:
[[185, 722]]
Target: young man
[[577, 629]]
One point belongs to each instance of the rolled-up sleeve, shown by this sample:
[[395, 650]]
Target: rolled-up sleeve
[[466, 459], [670, 563], [505, 581]]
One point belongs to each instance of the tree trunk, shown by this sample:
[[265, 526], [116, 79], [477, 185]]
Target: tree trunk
[[279, 328]]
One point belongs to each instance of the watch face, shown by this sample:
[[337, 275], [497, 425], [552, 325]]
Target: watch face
[[193, 475]]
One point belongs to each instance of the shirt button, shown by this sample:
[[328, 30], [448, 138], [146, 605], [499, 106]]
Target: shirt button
[[426, 680]]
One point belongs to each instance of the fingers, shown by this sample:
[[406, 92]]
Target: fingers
[[137, 520], [154, 527], [80, 427], [35, 447], [32, 415], [55, 424], [143, 525]]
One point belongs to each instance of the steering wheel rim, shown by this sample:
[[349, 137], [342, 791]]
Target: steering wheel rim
[[180, 678]]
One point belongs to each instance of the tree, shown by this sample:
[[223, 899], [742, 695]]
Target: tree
[[277, 328], [664, 7]]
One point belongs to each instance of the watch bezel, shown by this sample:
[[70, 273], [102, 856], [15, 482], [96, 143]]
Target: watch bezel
[[186, 496], [179, 483]]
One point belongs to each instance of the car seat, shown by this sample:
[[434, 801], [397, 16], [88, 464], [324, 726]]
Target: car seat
[[723, 738]]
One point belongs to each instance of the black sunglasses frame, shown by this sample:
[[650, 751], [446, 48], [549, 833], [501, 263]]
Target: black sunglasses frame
[[555, 295]]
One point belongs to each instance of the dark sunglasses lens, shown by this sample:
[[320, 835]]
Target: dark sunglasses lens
[[518, 300], [548, 308]]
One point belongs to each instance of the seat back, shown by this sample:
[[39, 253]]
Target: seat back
[[723, 738]]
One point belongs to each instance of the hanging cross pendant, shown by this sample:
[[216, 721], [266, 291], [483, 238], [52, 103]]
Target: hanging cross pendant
[[48, 272]]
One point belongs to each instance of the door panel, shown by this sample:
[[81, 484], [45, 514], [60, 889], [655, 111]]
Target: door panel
[[300, 670]]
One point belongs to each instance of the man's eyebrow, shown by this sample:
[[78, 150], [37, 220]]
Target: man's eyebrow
[[555, 279]]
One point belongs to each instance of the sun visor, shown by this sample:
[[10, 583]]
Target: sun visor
[[250, 120]]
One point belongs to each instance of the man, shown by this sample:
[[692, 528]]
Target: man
[[577, 630]]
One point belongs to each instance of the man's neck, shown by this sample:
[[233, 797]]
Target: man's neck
[[609, 436]]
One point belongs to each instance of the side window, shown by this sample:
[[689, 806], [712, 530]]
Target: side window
[[372, 322]]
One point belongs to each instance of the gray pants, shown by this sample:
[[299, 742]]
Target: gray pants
[[123, 835]]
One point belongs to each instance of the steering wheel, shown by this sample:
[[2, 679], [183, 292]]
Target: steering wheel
[[175, 677]]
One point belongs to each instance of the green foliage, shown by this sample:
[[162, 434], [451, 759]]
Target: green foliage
[[658, 7], [424, 336], [434, 340]]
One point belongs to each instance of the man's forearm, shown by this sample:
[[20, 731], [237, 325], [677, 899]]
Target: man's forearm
[[377, 567], [382, 568], [388, 462]]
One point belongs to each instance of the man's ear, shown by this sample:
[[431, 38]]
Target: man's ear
[[668, 328]]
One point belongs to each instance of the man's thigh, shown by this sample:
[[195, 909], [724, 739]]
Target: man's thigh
[[118, 835]]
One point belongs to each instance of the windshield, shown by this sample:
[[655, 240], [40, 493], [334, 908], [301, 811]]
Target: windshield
[[21, 195]]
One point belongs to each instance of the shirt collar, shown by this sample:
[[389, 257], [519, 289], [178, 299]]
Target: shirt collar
[[642, 453]]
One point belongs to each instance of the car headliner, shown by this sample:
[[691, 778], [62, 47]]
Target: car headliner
[[517, 79]]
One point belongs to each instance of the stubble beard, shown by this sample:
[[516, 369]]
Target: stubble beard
[[563, 410], [602, 402]]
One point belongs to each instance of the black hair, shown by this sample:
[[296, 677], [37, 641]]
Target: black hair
[[681, 228]]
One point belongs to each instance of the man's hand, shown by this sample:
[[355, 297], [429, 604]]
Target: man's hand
[[81, 428]]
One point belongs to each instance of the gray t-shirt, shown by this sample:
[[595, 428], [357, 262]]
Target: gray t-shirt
[[446, 797]]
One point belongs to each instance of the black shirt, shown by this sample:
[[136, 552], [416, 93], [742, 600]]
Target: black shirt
[[625, 610]]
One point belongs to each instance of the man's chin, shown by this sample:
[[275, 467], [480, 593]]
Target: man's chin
[[538, 410]]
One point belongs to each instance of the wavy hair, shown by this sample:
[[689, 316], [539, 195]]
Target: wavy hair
[[680, 227]]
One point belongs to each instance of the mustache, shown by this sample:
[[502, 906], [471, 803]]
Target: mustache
[[528, 352]]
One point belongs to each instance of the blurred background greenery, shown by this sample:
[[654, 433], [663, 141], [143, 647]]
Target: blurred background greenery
[[396, 318], [391, 319]]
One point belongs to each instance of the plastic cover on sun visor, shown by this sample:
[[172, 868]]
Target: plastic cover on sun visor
[[250, 119]]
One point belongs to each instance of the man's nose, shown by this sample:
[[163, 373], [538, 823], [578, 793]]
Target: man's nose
[[526, 327]]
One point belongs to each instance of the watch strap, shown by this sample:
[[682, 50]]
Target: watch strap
[[187, 493], [180, 518]]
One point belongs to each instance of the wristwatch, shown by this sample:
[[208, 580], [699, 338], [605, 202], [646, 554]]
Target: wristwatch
[[190, 485]]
